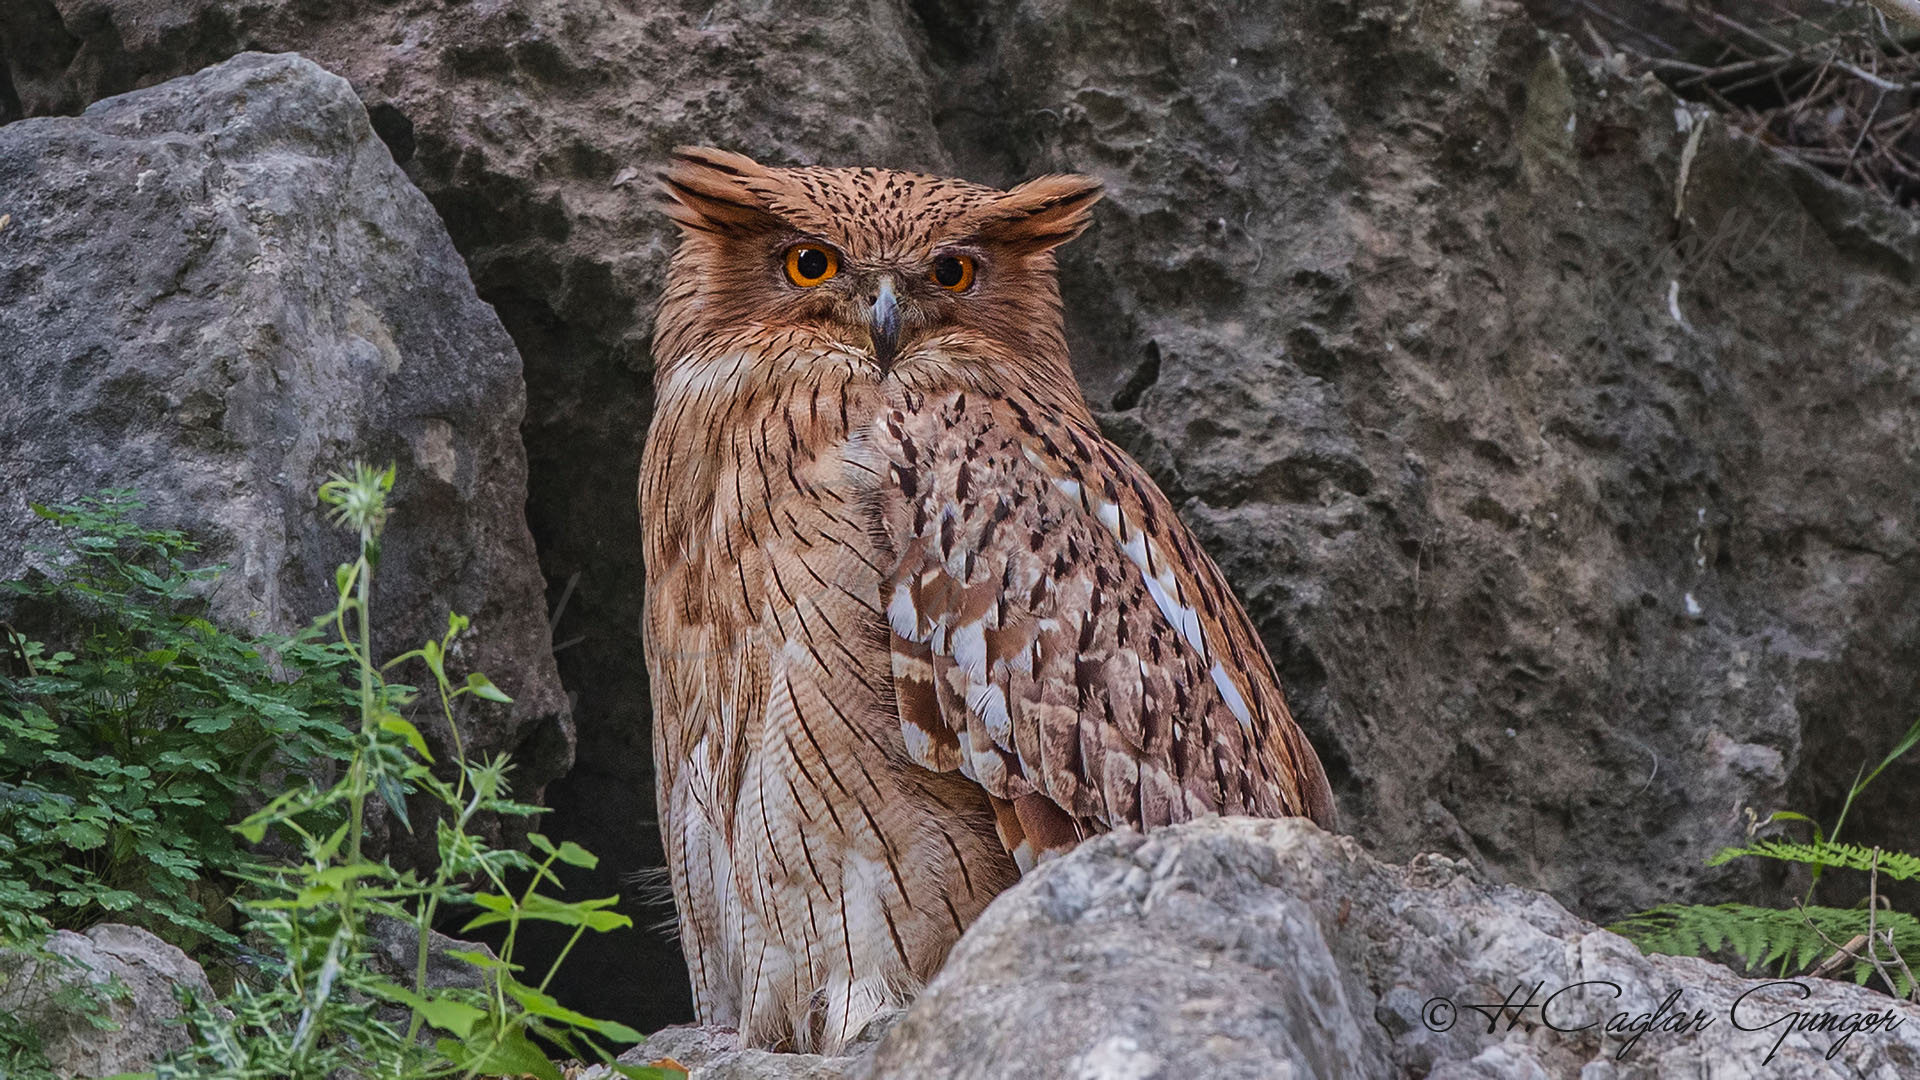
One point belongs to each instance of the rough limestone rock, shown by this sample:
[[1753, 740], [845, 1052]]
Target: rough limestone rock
[[1569, 475], [1235, 948], [222, 289], [396, 952], [146, 1017], [715, 1054]]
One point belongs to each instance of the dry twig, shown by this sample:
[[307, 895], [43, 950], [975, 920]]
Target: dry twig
[[1841, 95]]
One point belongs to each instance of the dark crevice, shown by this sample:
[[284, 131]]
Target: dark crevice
[[1143, 379], [36, 47], [957, 33], [970, 107], [395, 129], [9, 97]]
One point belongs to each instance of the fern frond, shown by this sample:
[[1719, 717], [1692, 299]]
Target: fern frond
[[1898, 865], [1762, 937]]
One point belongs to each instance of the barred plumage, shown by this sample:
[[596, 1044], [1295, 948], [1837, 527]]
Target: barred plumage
[[912, 622]]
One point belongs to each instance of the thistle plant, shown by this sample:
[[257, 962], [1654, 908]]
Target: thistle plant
[[316, 1005]]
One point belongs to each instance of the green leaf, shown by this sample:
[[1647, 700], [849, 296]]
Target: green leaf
[[394, 794], [507, 1052], [1894, 864], [454, 1017], [435, 658], [481, 687], [568, 852], [485, 961], [541, 1004], [80, 835], [1794, 939], [587, 913], [398, 726], [338, 876], [1860, 783]]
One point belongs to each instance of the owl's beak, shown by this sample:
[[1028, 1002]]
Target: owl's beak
[[883, 321]]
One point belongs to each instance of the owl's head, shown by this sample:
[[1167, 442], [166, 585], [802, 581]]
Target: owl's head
[[904, 270]]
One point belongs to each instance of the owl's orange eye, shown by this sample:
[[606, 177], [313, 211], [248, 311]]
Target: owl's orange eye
[[953, 273], [810, 264]]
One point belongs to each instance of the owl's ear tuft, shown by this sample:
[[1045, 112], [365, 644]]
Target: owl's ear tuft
[[708, 190], [1042, 213]]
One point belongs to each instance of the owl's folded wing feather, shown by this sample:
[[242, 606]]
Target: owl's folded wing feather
[[1059, 638]]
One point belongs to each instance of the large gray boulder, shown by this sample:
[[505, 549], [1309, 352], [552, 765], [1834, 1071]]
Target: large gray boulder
[[220, 290], [1570, 485], [1236, 948], [709, 1053], [135, 977], [1240, 949]]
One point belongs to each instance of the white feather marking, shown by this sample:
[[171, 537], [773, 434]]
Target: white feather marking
[[966, 755], [1231, 694], [919, 743], [1161, 586], [969, 645], [990, 770], [1184, 619], [984, 699], [1160, 581], [911, 667], [989, 702], [1021, 661], [1050, 854], [903, 615]]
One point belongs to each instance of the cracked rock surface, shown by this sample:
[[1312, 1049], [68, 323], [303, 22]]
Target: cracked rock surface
[[221, 290], [1248, 950]]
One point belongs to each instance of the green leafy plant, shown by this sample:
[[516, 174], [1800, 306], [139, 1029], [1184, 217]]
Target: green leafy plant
[[128, 747], [1790, 939], [317, 1005], [1823, 853], [1868, 940]]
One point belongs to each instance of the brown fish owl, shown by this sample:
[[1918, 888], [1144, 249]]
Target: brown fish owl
[[912, 623]]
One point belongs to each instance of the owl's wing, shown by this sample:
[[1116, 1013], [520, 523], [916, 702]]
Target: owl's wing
[[1059, 637]]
